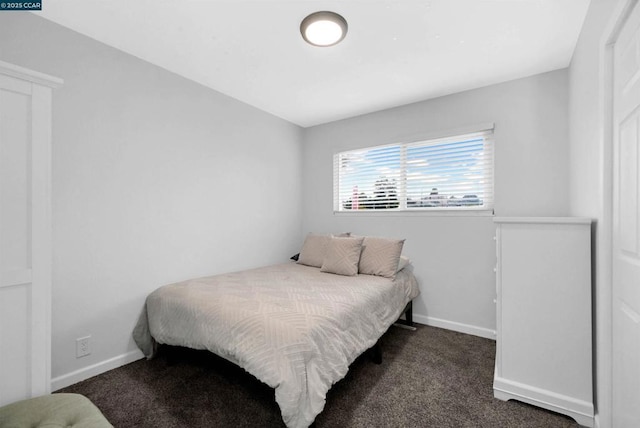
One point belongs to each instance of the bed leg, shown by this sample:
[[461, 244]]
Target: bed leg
[[407, 322], [376, 353], [409, 314], [170, 353]]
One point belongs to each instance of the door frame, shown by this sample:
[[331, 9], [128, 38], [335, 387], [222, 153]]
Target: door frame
[[40, 93], [603, 245]]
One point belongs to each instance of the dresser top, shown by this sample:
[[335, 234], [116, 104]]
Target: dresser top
[[544, 220]]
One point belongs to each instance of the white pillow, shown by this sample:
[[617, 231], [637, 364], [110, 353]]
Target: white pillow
[[403, 263]]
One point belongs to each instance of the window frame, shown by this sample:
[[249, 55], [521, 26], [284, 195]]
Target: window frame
[[485, 131]]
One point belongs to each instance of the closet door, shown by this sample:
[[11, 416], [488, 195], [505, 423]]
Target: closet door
[[25, 233]]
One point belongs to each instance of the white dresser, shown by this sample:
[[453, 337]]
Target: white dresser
[[543, 284]]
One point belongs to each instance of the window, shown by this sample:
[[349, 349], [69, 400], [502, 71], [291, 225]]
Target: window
[[454, 173]]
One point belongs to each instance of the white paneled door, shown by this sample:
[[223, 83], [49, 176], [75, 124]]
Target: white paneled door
[[25, 232], [626, 225]]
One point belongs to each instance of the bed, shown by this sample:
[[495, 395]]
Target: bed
[[293, 326]]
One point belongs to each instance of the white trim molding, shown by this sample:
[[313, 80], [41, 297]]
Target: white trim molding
[[29, 75], [581, 411], [95, 369], [455, 326]]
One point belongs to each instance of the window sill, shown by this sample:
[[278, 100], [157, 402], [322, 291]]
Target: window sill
[[419, 213]]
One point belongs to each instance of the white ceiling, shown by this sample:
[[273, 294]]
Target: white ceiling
[[396, 51]]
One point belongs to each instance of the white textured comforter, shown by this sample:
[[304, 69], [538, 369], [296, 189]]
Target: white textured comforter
[[293, 327]]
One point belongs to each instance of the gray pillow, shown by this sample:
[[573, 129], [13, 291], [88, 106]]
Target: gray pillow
[[380, 256], [313, 249], [342, 256]]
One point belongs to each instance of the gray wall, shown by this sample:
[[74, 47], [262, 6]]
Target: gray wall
[[155, 179], [158, 179], [454, 256]]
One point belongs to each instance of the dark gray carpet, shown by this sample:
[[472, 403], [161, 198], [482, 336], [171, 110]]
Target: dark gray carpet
[[428, 378]]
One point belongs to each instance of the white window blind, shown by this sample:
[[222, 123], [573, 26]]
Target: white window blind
[[454, 173]]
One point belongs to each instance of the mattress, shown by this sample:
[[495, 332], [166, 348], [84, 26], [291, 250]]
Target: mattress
[[291, 326]]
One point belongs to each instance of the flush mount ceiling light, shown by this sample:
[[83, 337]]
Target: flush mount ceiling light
[[323, 28]]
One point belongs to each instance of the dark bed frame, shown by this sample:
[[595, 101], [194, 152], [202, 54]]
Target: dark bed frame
[[376, 351]]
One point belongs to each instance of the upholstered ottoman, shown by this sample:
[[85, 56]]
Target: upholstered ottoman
[[53, 411]]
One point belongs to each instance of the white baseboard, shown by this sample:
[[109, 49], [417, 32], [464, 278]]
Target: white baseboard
[[455, 326], [95, 369], [120, 360]]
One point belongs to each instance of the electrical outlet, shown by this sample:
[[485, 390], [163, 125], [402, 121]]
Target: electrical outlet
[[82, 346]]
